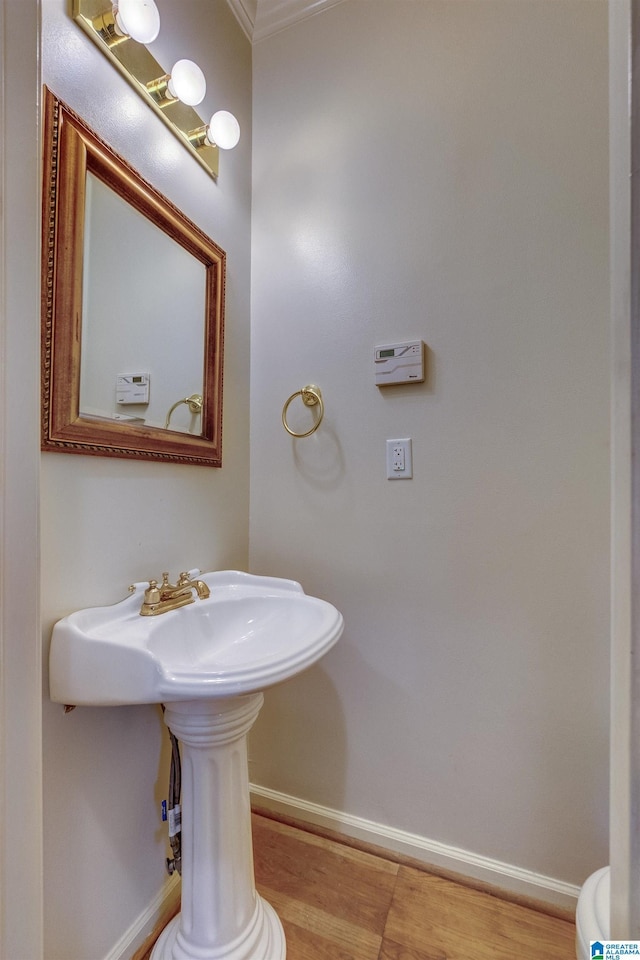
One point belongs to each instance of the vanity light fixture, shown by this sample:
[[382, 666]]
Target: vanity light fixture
[[121, 29], [223, 130], [138, 19], [186, 82]]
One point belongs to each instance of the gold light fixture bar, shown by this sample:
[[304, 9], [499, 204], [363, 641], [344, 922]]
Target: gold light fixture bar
[[146, 76]]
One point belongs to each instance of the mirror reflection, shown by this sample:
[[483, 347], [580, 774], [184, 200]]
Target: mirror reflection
[[143, 311]]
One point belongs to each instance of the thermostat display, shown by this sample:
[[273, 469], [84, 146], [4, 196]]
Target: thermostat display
[[132, 388], [399, 363]]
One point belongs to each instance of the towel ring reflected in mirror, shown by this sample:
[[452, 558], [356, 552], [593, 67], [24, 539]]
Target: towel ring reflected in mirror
[[311, 397], [194, 402]]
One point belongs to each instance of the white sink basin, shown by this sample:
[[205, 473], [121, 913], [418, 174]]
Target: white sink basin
[[250, 633]]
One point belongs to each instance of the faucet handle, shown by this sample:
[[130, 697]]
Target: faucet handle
[[152, 594], [184, 579]]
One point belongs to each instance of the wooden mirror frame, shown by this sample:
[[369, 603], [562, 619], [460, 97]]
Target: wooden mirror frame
[[71, 150]]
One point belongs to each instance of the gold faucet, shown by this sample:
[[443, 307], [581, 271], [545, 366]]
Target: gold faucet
[[168, 596]]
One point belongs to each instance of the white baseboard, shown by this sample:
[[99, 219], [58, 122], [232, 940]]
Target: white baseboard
[[144, 926], [505, 876], [431, 853]]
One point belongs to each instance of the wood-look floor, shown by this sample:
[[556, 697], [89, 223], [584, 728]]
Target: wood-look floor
[[341, 903]]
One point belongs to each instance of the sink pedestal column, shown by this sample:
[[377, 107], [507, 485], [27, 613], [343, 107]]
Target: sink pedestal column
[[222, 916]]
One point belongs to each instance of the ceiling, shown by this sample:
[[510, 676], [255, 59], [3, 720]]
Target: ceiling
[[261, 18]]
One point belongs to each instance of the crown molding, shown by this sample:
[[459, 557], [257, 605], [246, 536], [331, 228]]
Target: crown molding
[[245, 14], [262, 18], [275, 15]]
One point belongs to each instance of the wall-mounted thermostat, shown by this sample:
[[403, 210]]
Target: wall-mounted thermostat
[[132, 388], [399, 363]]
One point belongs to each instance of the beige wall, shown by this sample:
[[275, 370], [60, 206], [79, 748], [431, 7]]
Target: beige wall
[[439, 170], [435, 170], [106, 523], [20, 645]]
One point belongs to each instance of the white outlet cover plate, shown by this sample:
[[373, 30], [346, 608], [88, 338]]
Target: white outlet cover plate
[[399, 459]]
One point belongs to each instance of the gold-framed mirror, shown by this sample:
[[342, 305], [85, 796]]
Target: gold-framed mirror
[[132, 309]]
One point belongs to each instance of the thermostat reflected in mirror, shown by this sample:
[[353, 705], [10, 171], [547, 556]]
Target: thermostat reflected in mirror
[[399, 363], [132, 388]]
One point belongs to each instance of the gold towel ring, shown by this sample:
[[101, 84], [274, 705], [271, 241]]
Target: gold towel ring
[[194, 402], [311, 396]]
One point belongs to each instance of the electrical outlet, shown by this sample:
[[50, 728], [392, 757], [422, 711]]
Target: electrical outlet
[[399, 460]]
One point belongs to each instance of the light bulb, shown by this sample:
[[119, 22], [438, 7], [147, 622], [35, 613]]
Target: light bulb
[[139, 19], [223, 130], [187, 82]]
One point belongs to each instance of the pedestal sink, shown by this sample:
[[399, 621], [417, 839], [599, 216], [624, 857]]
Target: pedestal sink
[[208, 663]]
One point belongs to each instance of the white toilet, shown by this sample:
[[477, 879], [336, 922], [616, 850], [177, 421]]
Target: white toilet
[[592, 912]]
